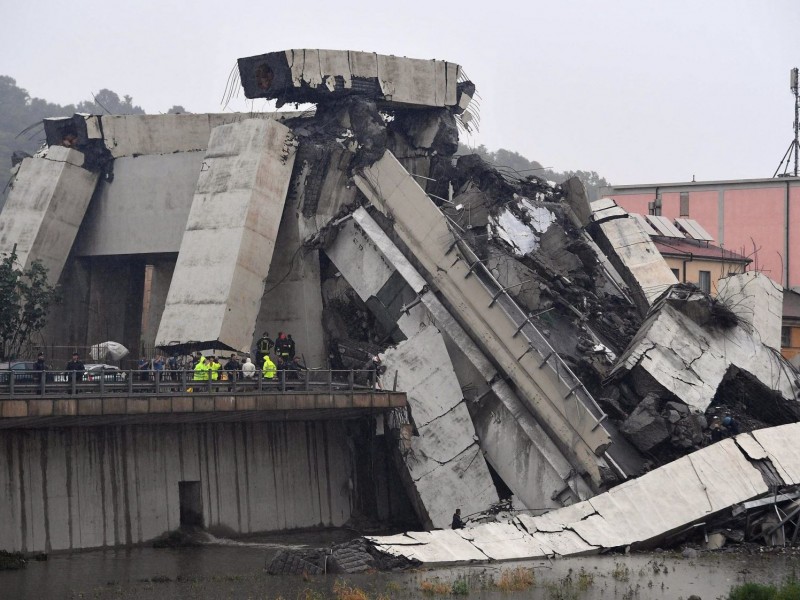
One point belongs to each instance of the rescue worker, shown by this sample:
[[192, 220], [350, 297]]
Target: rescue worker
[[263, 347], [214, 367], [458, 523], [282, 347], [269, 369], [201, 369], [291, 347]]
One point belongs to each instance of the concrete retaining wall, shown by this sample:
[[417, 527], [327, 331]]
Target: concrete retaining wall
[[79, 488]]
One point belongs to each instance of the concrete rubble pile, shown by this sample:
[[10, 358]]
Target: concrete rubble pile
[[546, 349]]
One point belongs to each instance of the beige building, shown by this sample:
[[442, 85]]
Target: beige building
[[698, 262]]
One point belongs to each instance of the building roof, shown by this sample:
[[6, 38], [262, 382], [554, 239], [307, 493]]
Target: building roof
[[668, 246], [690, 184]]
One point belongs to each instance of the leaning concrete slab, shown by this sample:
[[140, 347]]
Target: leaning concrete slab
[[513, 442], [445, 464], [45, 207], [684, 348], [230, 235], [632, 253], [639, 513], [757, 301], [553, 393], [310, 75]]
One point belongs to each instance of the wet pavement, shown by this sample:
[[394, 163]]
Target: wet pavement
[[235, 569]]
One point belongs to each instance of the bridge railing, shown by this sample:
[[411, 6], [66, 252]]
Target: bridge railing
[[118, 382]]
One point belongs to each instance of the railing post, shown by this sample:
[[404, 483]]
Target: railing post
[[260, 378], [208, 380], [130, 381], [102, 381], [283, 380], [330, 381], [42, 383], [11, 378], [351, 379], [183, 380], [72, 378], [158, 381]]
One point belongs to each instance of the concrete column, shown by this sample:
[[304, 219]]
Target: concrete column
[[230, 236], [45, 207]]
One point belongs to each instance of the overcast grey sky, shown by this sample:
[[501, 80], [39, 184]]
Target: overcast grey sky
[[640, 91]]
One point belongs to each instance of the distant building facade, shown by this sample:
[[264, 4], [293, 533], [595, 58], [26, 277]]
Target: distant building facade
[[757, 218], [701, 263], [790, 327]]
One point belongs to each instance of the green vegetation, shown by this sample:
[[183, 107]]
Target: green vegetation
[[26, 299], [759, 591]]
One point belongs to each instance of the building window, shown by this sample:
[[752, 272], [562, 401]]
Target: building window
[[677, 274], [684, 204], [705, 281], [786, 337]]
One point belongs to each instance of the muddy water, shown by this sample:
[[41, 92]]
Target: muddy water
[[234, 569]]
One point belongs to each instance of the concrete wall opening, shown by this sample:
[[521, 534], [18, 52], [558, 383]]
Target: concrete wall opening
[[191, 503]]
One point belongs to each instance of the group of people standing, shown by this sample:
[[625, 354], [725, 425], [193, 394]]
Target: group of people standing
[[285, 352]]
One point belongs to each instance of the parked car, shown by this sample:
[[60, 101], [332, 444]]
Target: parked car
[[93, 372], [24, 372], [108, 372]]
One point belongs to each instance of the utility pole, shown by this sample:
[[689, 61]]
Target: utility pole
[[794, 146]]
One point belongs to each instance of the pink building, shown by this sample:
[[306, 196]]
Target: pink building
[[759, 218]]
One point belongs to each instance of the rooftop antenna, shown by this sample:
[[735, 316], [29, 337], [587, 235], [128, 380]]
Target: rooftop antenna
[[794, 147]]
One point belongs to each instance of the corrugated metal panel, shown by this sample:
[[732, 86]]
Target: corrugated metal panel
[[694, 230], [664, 226], [644, 224]]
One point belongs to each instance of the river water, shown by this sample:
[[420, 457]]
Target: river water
[[235, 569]]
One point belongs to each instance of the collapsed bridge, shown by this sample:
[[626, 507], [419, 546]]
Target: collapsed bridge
[[546, 350]]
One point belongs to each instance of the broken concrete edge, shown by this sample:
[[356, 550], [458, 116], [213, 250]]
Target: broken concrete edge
[[725, 474], [314, 75]]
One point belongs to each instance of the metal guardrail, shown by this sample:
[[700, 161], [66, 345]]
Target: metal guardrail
[[15, 384], [536, 340]]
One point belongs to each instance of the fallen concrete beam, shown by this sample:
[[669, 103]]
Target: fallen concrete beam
[[225, 254], [307, 75], [516, 446], [640, 513], [47, 202], [553, 393]]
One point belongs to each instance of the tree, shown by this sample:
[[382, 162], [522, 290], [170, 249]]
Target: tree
[[178, 110], [108, 102], [26, 298]]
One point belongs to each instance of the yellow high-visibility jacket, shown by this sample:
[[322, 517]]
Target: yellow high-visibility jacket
[[269, 368], [214, 368], [201, 370]]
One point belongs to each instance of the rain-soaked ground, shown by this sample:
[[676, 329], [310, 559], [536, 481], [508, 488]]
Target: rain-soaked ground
[[235, 569]]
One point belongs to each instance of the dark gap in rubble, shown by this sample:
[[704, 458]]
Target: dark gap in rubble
[[352, 333], [379, 500], [751, 403], [503, 491], [768, 472]]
